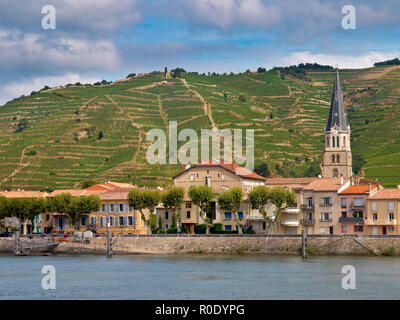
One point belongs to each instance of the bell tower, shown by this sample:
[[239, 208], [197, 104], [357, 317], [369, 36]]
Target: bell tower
[[337, 153]]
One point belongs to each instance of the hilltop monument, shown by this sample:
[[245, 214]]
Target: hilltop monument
[[337, 153]]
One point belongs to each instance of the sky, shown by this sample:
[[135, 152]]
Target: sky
[[108, 39]]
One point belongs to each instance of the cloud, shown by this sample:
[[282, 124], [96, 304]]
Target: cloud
[[34, 52], [366, 60], [26, 86]]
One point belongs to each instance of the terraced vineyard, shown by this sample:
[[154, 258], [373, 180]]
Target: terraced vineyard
[[59, 145]]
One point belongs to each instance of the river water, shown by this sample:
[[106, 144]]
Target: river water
[[199, 277]]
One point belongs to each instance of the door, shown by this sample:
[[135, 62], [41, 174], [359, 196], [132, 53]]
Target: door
[[374, 230], [383, 230], [330, 230]]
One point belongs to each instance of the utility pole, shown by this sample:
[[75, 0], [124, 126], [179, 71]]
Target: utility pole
[[109, 244]]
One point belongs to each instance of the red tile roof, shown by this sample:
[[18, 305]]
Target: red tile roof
[[326, 184], [75, 192], [289, 182], [387, 194], [359, 189], [233, 167]]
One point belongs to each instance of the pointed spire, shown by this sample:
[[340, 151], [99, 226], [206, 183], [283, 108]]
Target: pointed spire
[[337, 116]]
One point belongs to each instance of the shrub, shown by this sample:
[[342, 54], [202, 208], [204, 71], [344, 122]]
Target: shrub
[[31, 153], [172, 230], [389, 251], [200, 229], [242, 98]]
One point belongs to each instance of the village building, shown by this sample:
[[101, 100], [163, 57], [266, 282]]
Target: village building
[[383, 212]]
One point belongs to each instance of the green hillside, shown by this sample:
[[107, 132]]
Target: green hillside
[[51, 139]]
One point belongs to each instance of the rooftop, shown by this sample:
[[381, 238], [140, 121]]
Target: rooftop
[[326, 184], [23, 194], [358, 189], [387, 194]]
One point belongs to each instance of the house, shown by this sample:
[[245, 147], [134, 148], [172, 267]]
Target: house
[[383, 212], [321, 205], [28, 227], [353, 208], [219, 176]]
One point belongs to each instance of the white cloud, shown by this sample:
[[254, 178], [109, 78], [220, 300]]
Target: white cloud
[[18, 48], [26, 86], [342, 61]]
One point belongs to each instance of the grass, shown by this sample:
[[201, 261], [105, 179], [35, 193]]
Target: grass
[[59, 147]]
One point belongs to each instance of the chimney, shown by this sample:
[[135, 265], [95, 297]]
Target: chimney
[[341, 180]]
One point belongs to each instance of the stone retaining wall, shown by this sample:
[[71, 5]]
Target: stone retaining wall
[[218, 244]]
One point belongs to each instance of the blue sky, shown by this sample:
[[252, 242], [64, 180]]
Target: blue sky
[[107, 39]]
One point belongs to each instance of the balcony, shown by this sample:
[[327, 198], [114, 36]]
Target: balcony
[[325, 204], [255, 218], [380, 222], [351, 219], [307, 221], [325, 220], [290, 223], [307, 207], [292, 210], [357, 207]]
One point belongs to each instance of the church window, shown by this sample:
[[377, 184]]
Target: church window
[[335, 173], [337, 158], [333, 142], [344, 141], [333, 158], [337, 142]]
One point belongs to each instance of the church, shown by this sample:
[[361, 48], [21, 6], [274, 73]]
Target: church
[[337, 153]]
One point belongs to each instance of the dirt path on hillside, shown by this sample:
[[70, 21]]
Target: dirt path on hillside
[[373, 74], [207, 106], [20, 166]]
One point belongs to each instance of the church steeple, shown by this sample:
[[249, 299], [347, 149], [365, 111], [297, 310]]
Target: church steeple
[[337, 153], [337, 116]]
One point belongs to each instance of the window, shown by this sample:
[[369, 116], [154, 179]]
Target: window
[[326, 201], [121, 207], [391, 229], [335, 173], [325, 216], [111, 221], [104, 207], [344, 229], [391, 205], [131, 221], [358, 228], [228, 227], [344, 202], [337, 158], [192, 177], [84, 221], [309, 202], [102, 221], [333, 142], [121, 221], [391, 217], [166, 215], [358, 202], [131, 208], [264, 225], [374, 216], [337, 141], [344, 141], [188, 214], [228, 215], [333, 158], [207, 181], [188, 205], [112, 207], [344, 214], [240, 215], [223, 177], [374, 205]]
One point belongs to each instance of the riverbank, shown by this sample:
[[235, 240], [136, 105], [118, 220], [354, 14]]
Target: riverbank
[[228, 244]]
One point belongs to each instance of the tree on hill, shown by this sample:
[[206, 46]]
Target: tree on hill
[[131, 75], [261, 70], [262, 170], [392, 62], [22, 125], [100, 136]]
